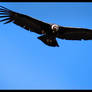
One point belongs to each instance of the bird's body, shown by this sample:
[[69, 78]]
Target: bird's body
[[48, 31]]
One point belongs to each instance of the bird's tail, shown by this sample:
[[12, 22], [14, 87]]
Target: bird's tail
[[50, 41]]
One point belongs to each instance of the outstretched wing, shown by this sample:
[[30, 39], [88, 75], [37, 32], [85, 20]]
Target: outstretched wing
[[70, 33], [22, 20]]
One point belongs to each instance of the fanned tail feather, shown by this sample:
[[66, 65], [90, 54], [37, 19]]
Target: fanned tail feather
[[50, 41]]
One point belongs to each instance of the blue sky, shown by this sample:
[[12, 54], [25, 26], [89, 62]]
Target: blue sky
[[27, 63]]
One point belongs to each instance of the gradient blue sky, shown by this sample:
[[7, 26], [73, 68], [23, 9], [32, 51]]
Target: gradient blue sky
[[27, 63]]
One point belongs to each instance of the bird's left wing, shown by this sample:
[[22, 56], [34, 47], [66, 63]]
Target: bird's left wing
[[23, 21], [70, 33]]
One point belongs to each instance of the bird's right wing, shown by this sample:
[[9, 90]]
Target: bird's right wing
[[22, 20]]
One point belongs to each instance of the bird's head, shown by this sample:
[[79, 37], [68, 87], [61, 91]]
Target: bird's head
[[55, 27]]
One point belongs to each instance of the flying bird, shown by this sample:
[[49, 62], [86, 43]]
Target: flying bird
[[48, 31]]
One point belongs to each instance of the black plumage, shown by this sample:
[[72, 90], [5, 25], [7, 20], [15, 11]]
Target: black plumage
[[49, 32]]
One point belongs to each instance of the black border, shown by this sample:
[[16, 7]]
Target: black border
[[63, 1]]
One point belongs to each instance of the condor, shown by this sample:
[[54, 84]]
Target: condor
[[48, 31]]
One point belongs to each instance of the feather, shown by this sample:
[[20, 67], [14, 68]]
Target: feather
[[50, 41], [1, 7], [8, 21], [5, 13], [3, 16], [5, 19]]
